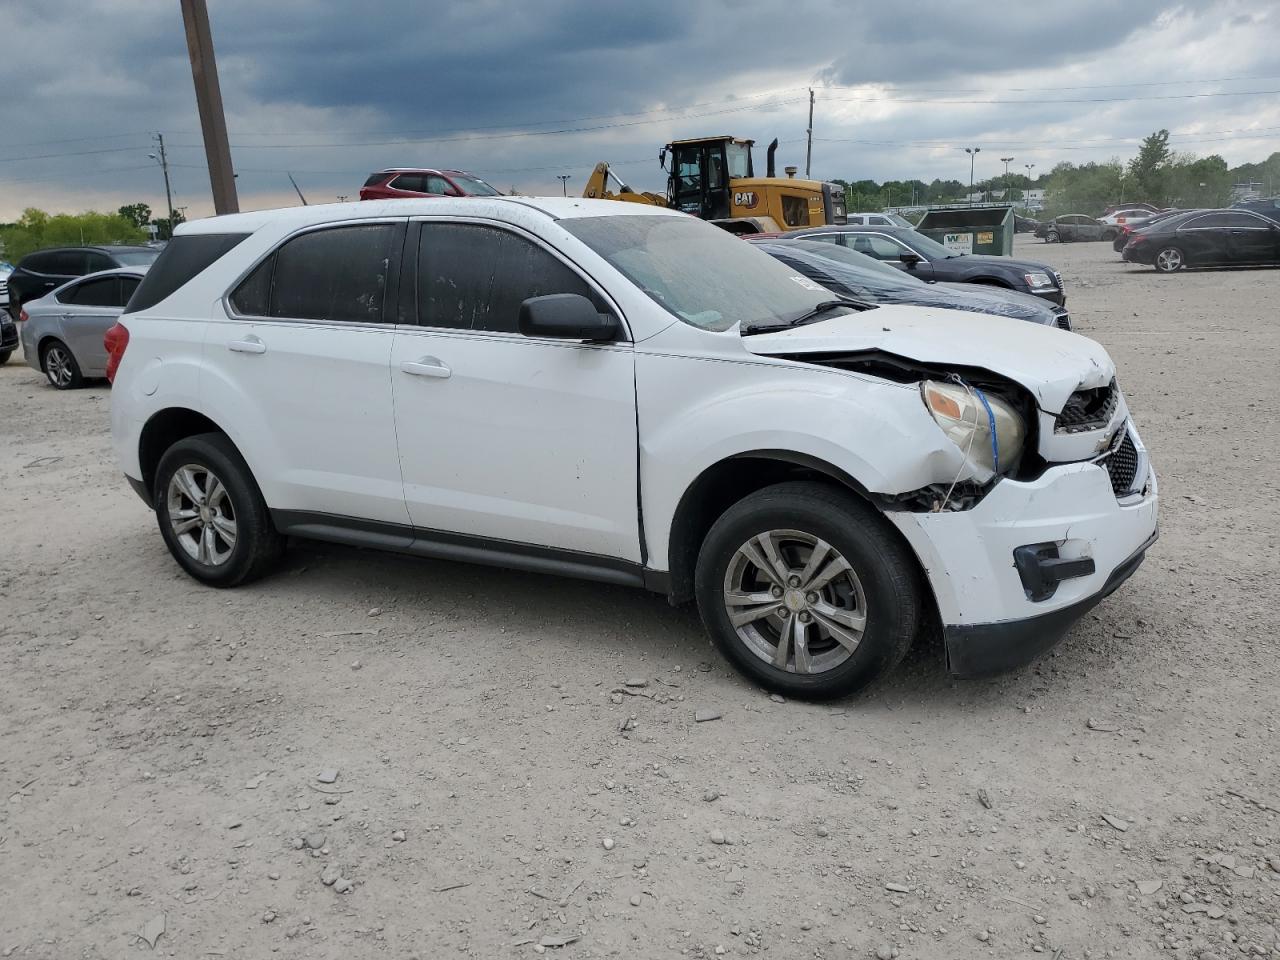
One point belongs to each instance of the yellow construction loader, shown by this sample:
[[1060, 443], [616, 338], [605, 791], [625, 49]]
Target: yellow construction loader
[[714, 178]]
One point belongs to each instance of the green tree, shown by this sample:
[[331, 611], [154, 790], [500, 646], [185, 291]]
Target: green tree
[[1149, 170], [139, 214], [36, 229], [165, 228]]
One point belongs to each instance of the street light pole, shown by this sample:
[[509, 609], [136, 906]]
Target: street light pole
[[1030, 167], [1006, 161], [564, 181], [973, 153]]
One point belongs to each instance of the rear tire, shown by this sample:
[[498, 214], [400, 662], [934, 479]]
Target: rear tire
[[59, 366], [1169, 260], [211, 513], [4, 356], [854, 624]]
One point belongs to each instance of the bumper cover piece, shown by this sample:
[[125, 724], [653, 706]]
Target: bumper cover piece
[[984, 649]]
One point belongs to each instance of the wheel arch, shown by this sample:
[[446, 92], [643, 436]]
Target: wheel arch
[[162, 430], [992, 282], [723, 484]]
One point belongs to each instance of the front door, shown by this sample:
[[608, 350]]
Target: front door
[[304, 355], [700, 180], [502, 436], [1251, 239], [885, 248]]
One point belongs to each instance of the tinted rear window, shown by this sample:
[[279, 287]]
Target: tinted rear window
[[182, 259], [374, 179], [134, 258]]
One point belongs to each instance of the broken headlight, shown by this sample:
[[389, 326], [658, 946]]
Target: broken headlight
[[988, 430]]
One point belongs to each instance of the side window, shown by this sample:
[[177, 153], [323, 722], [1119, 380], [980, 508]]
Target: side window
[[1241, 220], [879, 221], [1209, 220], [67, 263], [98, 261], [824, 237], [437, 184], [409, 181], [474, 277], [38, 263], [253, 297], [104, 292], [127, 286], [873, 245], [339, 273]]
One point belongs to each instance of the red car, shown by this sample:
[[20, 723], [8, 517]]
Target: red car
[[423, 182]]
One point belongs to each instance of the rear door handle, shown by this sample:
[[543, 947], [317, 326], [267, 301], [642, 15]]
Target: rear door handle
[[249, 344], [426, 367]]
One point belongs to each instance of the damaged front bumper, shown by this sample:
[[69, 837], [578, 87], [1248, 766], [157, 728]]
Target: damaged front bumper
[[1013, 573]]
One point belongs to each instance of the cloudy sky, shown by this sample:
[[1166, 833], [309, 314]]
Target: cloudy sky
[[518, 93]]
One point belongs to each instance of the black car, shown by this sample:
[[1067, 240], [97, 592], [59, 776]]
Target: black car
[[929, 260], [1206, 238], [38, 273], [1268, 207], [853, 274], [8, 337], [1122, 238]]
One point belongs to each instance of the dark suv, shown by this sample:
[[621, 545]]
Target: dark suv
[[424, 182], [38, 273], [1268, 207]]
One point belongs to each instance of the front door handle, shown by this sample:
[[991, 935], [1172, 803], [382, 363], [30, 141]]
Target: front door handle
[[249, 344], [426, 367]]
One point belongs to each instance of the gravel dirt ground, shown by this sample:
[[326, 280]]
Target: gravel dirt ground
[[162, 744]]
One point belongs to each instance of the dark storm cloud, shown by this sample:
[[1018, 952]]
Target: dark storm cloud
[[307, 82]]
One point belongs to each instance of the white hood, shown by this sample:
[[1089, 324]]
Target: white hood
[[1049, 362]]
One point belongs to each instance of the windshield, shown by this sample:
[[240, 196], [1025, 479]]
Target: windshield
[[473, 186], [854, 259], [704, 276], [135, 258]]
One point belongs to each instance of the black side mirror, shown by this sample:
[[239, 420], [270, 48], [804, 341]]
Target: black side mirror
[[566, 316], [910, 259]]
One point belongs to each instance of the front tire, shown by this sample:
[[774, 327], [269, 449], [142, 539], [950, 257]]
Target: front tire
[[1170, 260], [1052, 237], [59, 366], [806, 590], [4, 356], [211, 513]]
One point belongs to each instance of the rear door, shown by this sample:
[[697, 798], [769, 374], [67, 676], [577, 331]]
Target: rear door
[[89, 309], [303, 346], [502, 436]]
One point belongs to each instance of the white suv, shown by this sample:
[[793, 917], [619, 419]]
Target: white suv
[[630, 395]]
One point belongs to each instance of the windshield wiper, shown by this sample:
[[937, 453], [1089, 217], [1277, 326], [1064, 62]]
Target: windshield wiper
[[811, 314]]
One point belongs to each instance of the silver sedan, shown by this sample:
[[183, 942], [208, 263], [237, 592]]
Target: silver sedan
[[62, 331]]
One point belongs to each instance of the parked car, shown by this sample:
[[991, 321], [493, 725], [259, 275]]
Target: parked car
[[62, 332], [1123, 215], [1131, 205], [8, 331], [1268, 207], [927, 259], [1206, 238], [852, 274], [424, 182], [1075, 226], [40, 272], [633, 395], [879, 220], [1024, 224], [1122, 238]]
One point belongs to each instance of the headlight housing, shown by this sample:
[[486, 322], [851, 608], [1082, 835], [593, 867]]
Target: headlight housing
[[1039, 281], [988, 430]]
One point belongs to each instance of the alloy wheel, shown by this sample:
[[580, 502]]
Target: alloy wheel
[[57, 366], [795, 601], [1169, 260], [201, 514]]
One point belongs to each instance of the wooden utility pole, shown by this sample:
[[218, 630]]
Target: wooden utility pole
[[163, 159], [204, 71], [808, 152]]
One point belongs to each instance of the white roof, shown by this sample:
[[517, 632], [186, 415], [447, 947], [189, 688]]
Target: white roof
[[557, 208]]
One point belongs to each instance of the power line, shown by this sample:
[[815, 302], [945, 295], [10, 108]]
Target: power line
[[1042, 102], [92, 173], [82, 153], [1060, 86]]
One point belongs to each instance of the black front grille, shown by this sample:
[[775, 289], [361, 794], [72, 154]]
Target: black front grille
[[1064, 321], [1088, 410], [1122, 466]]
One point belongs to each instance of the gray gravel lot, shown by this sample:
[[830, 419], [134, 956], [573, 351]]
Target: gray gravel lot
[[160, 743]]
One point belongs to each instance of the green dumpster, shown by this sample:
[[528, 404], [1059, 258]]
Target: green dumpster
[[971, 229]]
